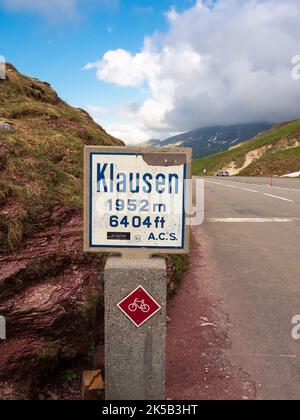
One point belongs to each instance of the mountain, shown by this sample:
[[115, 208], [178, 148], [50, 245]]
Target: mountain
[[49, 290], [274, 152], [211, 140], [151, 143]]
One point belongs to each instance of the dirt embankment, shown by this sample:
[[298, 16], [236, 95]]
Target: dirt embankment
[[254, 156], [251, 156]]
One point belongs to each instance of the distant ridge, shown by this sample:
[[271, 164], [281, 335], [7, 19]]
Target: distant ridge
[[274, 152], [151, 143], [210, 140]]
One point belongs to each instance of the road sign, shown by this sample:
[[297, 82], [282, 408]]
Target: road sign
[[135, 199], [139, 306]]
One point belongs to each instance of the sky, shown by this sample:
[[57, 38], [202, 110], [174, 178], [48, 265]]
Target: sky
[[154, 68]]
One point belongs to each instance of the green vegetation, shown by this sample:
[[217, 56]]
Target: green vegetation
[[280, 156], [90, 353], [41, 163], [90, 307], [181, 264], [50, 352], [277, 163], [70, 376]]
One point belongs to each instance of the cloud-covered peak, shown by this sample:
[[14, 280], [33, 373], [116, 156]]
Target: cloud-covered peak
[[221, 64]]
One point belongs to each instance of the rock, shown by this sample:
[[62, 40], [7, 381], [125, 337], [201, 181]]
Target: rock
[[171, 286], [207, 324], [6, 127], [204, 318], [49, 294]]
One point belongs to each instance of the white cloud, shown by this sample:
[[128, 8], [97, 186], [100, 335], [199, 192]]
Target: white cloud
[[128, 132], [221, 65], [123, 68], [96, 110]]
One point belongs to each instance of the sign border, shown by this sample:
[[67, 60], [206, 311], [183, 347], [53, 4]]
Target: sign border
[[147, 319], [129, 250], [91, 245]]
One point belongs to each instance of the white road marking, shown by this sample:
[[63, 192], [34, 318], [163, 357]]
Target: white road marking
[[287, 356], [254, 191], [280, 198], [247, 189], [213, 182], [253, 220], [288, 189]]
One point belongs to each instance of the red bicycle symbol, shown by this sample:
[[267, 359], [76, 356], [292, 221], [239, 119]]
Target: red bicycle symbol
[[139, 304]]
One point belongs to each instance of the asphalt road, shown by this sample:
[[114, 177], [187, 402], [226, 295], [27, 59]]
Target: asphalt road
[[278, 183], [254, 241]]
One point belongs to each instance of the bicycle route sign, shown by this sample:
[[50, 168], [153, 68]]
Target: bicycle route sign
[[135, 199], [139, 306]]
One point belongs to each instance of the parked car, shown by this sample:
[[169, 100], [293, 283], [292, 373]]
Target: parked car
[[223, 173]]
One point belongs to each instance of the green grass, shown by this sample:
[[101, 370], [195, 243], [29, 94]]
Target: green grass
[[70, 376], [213, 163], [91, 306], [50, 353], [90, 353], [181, 264], [42, 165], [287, 153], [276, 163], [289, 132]]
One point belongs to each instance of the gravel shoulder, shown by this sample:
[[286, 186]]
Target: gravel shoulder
[[198, 363]]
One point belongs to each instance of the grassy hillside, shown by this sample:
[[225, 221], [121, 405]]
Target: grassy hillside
[[276, 152], [41, 162]]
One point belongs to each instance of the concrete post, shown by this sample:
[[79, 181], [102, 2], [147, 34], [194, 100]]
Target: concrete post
[[134, 357]]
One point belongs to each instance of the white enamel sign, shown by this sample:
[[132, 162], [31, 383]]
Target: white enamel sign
[[135, 199]]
